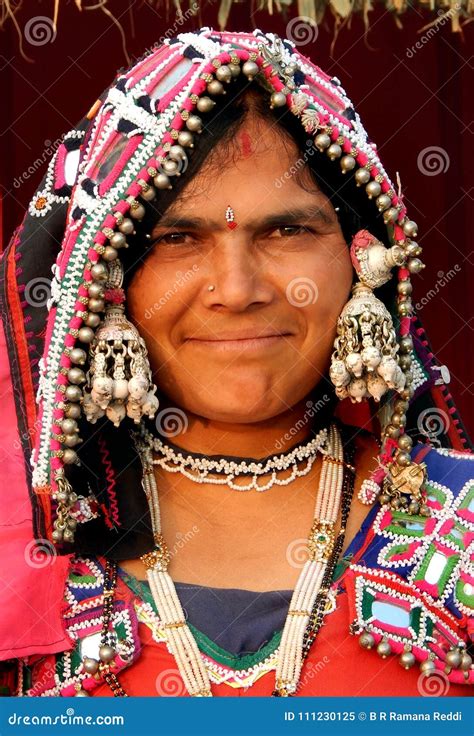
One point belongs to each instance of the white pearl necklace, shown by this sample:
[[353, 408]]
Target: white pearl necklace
[[199, 469], [320, 546]]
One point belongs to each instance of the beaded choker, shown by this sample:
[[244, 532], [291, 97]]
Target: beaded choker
[[224, 470]]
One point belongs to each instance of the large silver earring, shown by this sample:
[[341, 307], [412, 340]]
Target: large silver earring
[[364, 362], [119, 381]]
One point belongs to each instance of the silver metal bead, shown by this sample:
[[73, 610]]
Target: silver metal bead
[[73, 411], [69, 457], [390, 215], [215, 88], [454, 658], [223, 73], [466, 662], [148, 194], [383, 202], [250, 69], [96, 305], [407, 660], [99, 272], [185, 138], [392, 431], [405, 288], [403, 458], [234, 69], [399, 420], [170, 167], [96, 291], [109, 254], [405, 442], [373, 189], [90, 665], [73, 393], [126, 226], [278, 99], [405, 309], [118, 240], [71, 440], [106, 653], [85, 335], [162, 181], [406, 344], [91, 320], [78, 356], [57, 535], [366, 640], [68, 534], [428, 666], [205, 104], [362, 176], [415, 265], [322, 141], [76, 376], [137, 211], [347, 163], [69, 426], [334, 151], [194, 123], [384, 649], [177, 153], [410, 228], [81, 693]]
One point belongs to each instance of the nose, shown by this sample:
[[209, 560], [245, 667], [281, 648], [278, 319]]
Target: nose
[[240, 277]]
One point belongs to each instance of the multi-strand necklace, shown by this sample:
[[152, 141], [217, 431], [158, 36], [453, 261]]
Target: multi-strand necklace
[[308, 602]]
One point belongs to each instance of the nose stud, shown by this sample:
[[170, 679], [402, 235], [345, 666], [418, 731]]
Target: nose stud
[[211, 287]]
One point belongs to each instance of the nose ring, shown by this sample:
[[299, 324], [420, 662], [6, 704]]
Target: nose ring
[[211, 287]]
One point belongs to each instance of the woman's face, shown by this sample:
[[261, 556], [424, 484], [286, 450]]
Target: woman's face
[[261, 340]]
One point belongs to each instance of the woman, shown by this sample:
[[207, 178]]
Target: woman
[[228, 470]]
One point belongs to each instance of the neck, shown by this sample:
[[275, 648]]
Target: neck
[[275, 435]]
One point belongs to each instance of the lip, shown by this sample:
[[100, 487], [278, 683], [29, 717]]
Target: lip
[[252, 342]]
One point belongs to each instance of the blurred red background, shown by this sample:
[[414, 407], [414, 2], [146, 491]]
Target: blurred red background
[[415, 102]]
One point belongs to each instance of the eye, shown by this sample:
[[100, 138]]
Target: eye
[[178, 238], [287, 231]]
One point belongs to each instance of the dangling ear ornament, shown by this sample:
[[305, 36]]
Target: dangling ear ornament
[[364, 362], [119, 381]]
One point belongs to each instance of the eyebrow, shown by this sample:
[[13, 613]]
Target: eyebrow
[[303, 215]]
